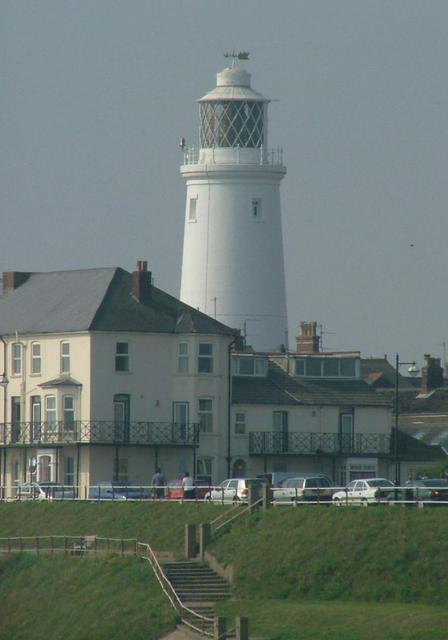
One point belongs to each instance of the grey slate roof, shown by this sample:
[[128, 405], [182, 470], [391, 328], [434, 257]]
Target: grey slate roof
[[278, 388], [380, 373], [97, 300]]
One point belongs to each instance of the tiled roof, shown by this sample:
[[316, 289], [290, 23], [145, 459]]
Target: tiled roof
[[97, 300], [380, 373], [279, 388], [412, 402]]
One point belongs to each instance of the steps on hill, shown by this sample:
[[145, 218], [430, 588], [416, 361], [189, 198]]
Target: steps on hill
[[194, 582], [198, 587]]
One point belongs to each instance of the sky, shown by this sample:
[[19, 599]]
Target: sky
[[96, 94]]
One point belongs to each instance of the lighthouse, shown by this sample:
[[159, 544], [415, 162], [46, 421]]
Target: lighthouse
[[232, 265]]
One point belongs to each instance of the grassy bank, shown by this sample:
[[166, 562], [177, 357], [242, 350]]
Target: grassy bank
[[160, 524], [56, 598], [324, 553], [280, 620], [307, 573]]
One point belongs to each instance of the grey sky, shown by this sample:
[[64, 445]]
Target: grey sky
[[96, 94]]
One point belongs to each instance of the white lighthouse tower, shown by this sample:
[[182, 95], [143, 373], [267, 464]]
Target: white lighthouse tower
[[232, 266]]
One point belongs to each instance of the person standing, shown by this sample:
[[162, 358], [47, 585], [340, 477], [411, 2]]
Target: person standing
[[158, 484], [188, 487]]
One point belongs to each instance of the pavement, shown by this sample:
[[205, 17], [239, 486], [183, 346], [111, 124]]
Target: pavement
[[182, 633]]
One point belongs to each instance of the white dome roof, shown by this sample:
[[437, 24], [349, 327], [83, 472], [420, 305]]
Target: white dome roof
[[233, 84]]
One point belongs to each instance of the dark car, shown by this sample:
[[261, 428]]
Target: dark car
[[427, 490], [118, 491]]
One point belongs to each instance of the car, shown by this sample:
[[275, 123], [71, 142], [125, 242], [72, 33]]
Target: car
[[365, 491], [304, 488], [44, 491], [233, 490], [427, 490], [116, 490]]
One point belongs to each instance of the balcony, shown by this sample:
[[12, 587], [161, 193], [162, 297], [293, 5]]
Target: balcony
[[312, 444], [28, 434]]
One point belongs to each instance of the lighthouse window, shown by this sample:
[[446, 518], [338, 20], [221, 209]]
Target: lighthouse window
[[256, 208], [192, 210]]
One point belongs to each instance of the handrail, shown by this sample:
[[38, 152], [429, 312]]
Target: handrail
[[150, 556], [240, 513]]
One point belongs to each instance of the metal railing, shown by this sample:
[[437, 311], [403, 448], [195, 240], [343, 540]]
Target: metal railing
[[110, 491], [99, 432], [312, 443], [269, 157], [87, 544]]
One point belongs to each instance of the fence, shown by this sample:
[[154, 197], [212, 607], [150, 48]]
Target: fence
[[280, 496]]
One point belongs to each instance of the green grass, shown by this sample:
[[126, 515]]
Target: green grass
[[57, 598], [324, 553], [307, 573], [159, 524], [278, 620]]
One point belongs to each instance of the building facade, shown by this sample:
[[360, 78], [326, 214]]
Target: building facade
[[106, 377]]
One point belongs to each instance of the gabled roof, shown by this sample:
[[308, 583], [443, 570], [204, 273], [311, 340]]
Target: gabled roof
[[97, 300], [415, 447], [381, 374], [412, 402], [279, 388]]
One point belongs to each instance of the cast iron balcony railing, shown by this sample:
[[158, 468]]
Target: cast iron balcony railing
[[311, 443], [99, 432]]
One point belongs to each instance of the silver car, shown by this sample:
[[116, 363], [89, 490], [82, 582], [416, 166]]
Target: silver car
[[233, 490]]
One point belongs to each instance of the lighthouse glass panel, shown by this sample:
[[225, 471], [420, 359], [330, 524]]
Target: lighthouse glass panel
[[232, 124]]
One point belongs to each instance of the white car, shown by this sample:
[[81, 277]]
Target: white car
[[365, 492], [233, 490], [305, 488]]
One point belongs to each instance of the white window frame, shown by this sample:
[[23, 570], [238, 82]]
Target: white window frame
[[122, 357], [183, 358], [65, 356], [52, 422], [69, 424], [240, 423], [205, 360], [204, 468], [36, 358], [16, 358], [205, 416]]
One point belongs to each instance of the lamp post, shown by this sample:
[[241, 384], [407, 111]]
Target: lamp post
[[4, 381], [413, 370]]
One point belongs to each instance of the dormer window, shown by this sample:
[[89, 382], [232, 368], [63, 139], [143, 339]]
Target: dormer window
[[249, 366], [326, 367]]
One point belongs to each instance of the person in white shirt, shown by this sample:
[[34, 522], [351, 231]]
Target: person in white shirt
[[188, 487]]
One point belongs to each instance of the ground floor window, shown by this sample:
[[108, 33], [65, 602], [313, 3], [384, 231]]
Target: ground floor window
[[204, 469], [239, 469], [122, 470], [69, 471]]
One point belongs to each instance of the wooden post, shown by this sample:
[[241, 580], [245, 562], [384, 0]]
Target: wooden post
[[253, 497], [267, 496], [205, 534], [219, 629], [241, 628], [190, 541]]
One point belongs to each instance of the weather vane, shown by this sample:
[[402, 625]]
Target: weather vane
[[242, 55]]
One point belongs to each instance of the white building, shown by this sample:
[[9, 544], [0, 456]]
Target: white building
[[232, 267], [106, 377]]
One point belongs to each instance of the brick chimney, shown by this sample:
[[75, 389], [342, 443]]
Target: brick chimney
[[432, 374], [308, 341], [13, 279], [141, 282]]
